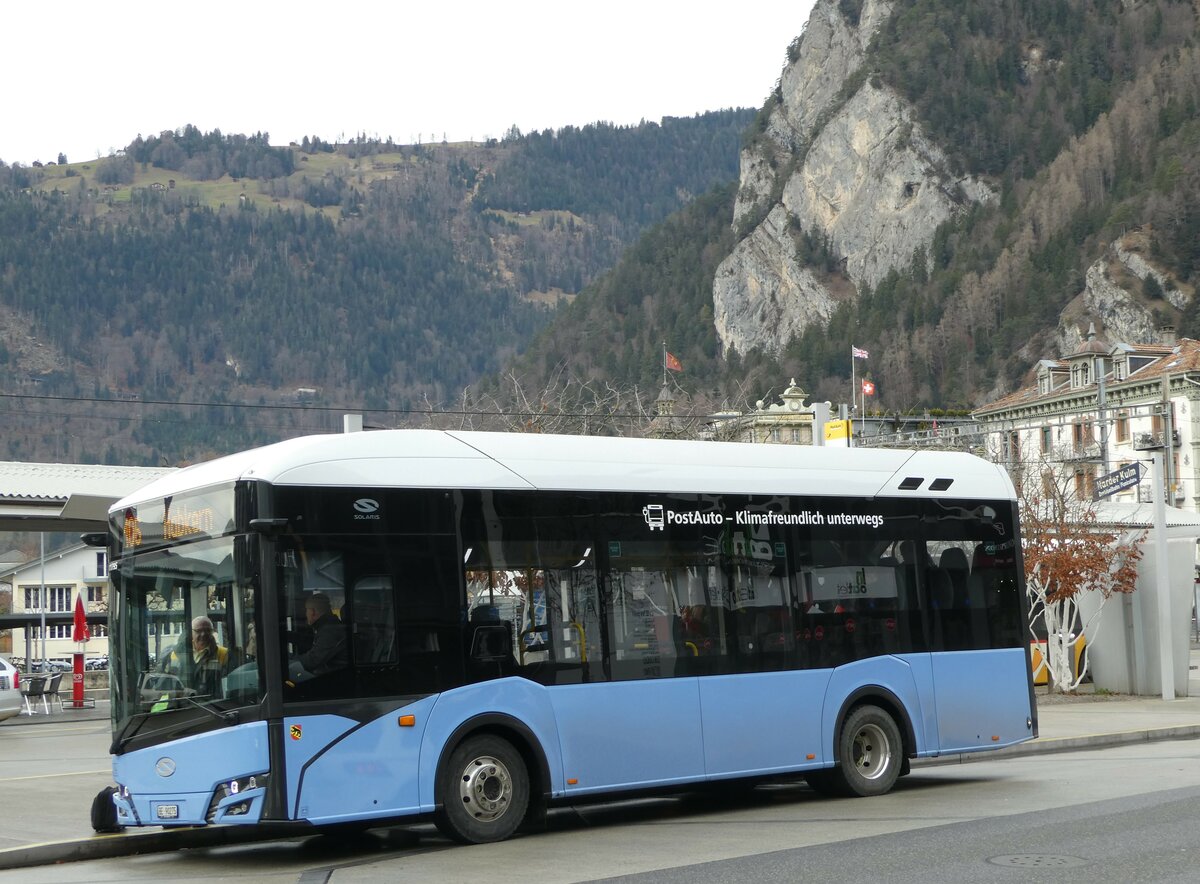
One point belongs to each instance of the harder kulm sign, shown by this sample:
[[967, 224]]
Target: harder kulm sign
[[1124, 478]]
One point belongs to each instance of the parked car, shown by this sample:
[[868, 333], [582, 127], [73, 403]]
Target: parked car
[[100, 662], [10, 690], [49, 667]]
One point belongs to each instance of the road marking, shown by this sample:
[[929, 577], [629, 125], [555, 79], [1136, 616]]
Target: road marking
[[74, 773]]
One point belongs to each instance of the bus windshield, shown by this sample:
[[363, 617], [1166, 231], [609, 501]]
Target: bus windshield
[[185, 638]]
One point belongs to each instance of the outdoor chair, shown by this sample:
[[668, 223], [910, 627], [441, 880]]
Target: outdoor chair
[[32, 689], [50, 693]]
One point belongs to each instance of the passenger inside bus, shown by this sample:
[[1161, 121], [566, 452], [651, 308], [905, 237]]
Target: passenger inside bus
[[208, 662]]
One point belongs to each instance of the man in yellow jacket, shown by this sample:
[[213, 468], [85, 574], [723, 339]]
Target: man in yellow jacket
[[209, 661]]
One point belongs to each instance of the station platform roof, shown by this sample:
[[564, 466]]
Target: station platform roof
[[63, 496]]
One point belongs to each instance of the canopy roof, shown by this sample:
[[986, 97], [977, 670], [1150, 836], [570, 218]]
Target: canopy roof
[[65, 497]]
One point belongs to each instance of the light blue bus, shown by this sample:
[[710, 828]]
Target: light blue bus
[[475, 627]]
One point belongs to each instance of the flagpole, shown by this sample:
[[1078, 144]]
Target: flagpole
[[664, 362], [852, 383]]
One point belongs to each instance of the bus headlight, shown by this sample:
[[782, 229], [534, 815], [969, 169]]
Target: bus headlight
[[233, 788], [241, 784]]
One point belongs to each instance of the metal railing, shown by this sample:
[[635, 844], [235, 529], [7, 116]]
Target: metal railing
[[1151, 441], [1078, 451]]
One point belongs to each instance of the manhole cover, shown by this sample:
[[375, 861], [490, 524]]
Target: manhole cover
[[1038, 861]]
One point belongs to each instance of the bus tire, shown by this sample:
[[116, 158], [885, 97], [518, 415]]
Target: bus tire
[[821, 782], [483, 791], [870, 753]]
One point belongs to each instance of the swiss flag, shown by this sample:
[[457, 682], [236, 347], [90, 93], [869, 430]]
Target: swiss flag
[[868, 388], [673, 363]]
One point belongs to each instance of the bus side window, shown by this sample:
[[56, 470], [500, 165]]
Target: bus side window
[[646, 630], [374, 621]]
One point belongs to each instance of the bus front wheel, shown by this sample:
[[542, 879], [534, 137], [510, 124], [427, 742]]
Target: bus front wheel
[[870, 754], [483, 791]]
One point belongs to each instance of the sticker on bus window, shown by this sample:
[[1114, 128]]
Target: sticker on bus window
[[841, 583], [296, 731]]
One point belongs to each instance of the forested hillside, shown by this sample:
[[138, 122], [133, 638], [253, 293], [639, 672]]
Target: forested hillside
[[212, 268], [1079, 115], [661, 292]]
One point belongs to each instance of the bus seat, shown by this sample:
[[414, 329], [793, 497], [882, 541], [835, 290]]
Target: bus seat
[[953, 563], [492, 649], [769, 623], [954, 559], [941, 589]]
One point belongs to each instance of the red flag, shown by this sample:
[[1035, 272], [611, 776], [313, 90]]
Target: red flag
[[80, 633], [673, 363], [868, 388]]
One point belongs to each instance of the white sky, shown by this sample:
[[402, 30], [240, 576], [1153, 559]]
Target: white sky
[[87, 78]]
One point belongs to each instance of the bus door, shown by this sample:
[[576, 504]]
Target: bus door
[[370, 625]]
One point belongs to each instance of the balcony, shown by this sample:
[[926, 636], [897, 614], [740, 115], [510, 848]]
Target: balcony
[[1145, 494], [1078, 452], [1152, 441]]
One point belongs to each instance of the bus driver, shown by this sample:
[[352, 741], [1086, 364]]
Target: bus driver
[[328, 651]]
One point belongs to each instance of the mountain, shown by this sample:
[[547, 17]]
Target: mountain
[[957, 186], [223, 271]]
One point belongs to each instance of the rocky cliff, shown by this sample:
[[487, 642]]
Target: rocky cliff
[[840, 157], [1125, 295], [957, 186]]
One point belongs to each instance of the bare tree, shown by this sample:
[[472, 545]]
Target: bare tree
[[570, 405]]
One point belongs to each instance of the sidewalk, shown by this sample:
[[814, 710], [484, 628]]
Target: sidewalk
[[1084, 721], [1090, 720], [60, 712]]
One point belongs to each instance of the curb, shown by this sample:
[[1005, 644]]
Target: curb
[[1042, 746], [135, 843]]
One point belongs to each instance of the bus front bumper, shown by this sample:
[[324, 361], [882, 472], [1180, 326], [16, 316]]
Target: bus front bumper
[[232, 803]]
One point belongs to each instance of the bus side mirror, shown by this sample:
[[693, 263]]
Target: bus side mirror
[[269, 527]]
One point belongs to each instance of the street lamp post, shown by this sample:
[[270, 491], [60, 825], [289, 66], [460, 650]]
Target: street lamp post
[[42, 599], [1162, 583]]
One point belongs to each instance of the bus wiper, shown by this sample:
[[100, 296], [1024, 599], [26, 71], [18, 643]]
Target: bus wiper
[[123, 739], [230, 717]]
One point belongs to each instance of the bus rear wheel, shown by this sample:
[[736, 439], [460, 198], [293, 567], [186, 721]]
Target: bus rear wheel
[[870, 756], [483, 791]]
